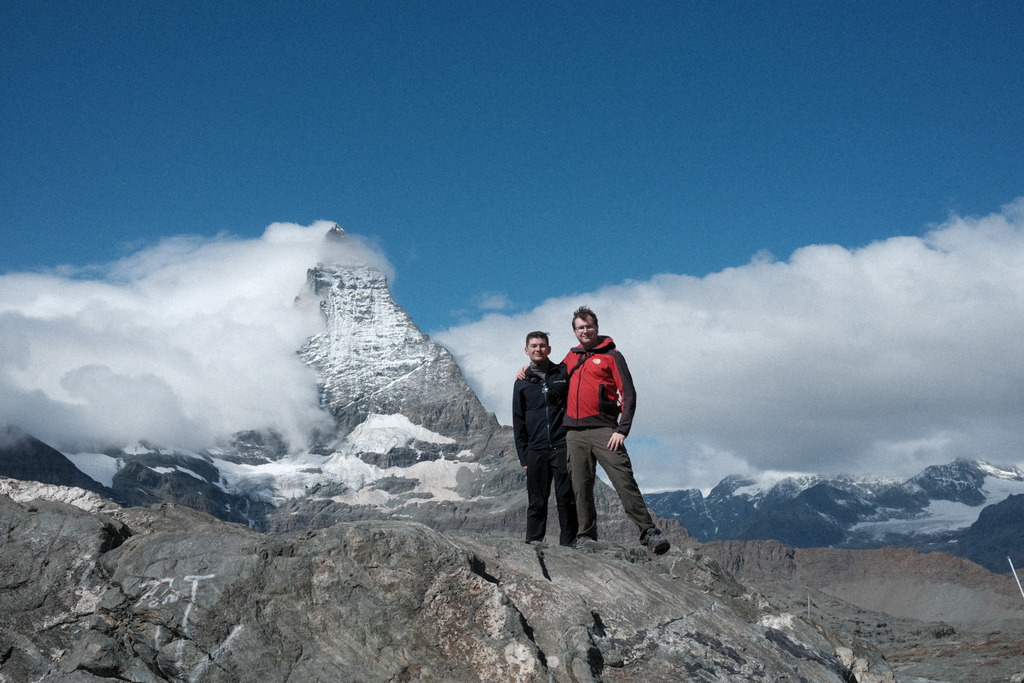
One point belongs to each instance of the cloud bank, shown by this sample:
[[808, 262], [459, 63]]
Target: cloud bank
[[872, 361], [181, 344]]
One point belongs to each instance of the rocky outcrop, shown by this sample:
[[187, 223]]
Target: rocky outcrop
[[171, 594], [26, 491]]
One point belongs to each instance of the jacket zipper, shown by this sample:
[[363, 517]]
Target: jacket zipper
[[580, 364], [547, 410]]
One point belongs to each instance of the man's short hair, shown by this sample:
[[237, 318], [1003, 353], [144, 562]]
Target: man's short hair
[[583, 313], [538, 335]]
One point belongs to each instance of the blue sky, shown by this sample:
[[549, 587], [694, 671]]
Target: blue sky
[[487, 148], [802, 222]]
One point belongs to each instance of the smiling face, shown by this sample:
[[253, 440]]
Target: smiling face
[[538, 350], [586, 331]]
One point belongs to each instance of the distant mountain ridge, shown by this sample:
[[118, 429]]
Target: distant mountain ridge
[[27, 458], [949, 507]]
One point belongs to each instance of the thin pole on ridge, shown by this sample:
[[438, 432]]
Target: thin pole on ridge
[[1015, 575]]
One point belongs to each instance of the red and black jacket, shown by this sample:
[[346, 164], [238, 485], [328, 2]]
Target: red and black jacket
[[601, 392]]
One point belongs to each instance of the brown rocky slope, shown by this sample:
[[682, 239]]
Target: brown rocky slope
[[934, 616]]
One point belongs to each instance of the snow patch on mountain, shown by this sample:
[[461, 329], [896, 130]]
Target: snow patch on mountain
[[99, 466], [437, 477], [342, 474], [1001, 473], [943, 515], [168, 470], [384, 433], [348, 478], [296, 477]]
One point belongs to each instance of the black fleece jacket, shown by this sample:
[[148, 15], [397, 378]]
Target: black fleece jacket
[[538, 406]]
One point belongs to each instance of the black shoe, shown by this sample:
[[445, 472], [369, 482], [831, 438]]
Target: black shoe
[[657, 543]]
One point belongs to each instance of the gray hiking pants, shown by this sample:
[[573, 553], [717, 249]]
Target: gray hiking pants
[[584, 449]]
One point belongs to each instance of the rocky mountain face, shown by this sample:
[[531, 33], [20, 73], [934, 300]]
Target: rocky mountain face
[[995, 537], [965, 507], [372, 359], [167, 593]]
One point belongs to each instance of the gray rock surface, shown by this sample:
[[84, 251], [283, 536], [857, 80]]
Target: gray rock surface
[[187, 597]]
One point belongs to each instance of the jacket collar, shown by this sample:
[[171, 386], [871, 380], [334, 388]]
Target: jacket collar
[[603, 345], [531, 373]]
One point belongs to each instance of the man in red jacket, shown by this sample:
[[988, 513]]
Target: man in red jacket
[[598, 414]]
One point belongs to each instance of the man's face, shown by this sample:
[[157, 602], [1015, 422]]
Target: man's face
[[586, 331], [538, 350]]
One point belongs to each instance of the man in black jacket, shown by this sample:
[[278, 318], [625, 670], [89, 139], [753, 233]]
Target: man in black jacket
[[538, 406]]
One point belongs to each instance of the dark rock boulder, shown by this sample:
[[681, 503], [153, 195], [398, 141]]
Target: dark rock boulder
[[50, 586]]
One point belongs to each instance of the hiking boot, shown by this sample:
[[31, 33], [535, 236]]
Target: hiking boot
[[657, 543], [578, 544]]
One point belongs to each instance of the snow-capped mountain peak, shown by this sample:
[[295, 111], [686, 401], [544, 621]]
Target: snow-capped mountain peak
[[372, 359], [1000, 472], [410, 437], [929, 510]]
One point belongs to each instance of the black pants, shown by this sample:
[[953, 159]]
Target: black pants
[[542, 467]]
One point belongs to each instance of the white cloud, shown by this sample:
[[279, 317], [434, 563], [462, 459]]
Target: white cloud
[[879, 360], [491, 301], [180, 344]]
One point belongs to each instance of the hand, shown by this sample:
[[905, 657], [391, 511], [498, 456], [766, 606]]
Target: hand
[[616, 441], [524, 467], [522, 372]]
